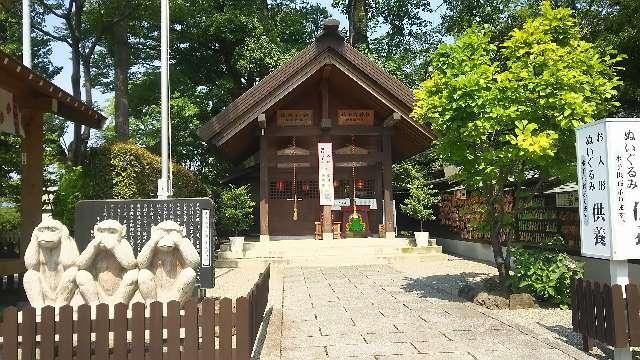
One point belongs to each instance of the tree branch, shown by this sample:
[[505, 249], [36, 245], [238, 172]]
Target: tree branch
[[52, 11]]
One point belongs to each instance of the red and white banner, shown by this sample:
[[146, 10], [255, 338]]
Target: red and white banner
[[10, 114], [325, 173]]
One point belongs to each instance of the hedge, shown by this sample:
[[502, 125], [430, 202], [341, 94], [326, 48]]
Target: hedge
[[119, 171]]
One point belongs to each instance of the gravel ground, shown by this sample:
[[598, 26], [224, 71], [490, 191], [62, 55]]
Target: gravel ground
[[449, 272]]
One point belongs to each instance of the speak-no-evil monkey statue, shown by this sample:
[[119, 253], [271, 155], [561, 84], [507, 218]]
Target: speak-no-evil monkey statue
[[168, 263], [107, 268], [50, 261]]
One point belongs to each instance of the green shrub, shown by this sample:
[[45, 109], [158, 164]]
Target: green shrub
[[9, 219], [68, 194], [545, 275], [235, 209], [119, 171]]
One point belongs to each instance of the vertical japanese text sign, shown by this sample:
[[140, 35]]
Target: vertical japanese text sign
[[608, 155], [325, 173]]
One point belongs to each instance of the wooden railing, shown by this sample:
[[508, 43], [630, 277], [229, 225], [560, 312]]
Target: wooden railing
[[603, 313], [212, 329]]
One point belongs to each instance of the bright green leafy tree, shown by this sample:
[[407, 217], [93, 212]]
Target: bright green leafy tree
[[501, 113], [235, 209], [419, 205]]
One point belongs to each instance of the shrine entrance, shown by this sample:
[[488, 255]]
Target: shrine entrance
[[320, 135]]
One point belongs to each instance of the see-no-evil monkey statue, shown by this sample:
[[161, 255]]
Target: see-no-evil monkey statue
[[107, 268], [167, 265], [50, 261]]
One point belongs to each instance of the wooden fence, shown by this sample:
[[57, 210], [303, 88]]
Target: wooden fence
[[212, 329], [601, 312]]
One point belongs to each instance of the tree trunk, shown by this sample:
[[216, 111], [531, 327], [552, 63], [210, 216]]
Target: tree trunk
[[493, 201], [120, 56], [358, 22], [76, 149]]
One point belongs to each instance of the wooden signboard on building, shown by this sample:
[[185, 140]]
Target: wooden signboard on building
[[355, 117], [294, 118]]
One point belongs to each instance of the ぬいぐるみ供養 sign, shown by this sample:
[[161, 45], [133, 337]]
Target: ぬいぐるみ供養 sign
[[608, 159]]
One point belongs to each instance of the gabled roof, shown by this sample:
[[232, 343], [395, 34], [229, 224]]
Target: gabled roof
[[18, 78]]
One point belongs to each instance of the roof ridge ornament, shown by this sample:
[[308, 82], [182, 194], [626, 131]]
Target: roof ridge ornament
[[330, 30]]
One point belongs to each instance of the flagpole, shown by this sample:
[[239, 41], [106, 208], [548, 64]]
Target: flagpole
[[164, 183], [26, 33]]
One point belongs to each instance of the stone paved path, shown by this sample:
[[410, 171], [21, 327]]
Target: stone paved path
[[376, 312]]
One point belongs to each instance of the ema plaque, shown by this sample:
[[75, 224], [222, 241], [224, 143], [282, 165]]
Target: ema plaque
[[195, 215]]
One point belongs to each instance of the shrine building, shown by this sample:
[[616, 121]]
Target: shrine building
[[316, 134]]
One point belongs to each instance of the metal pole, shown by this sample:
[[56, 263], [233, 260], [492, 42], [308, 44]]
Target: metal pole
[[619, 273], [163, 183], [26, 33]]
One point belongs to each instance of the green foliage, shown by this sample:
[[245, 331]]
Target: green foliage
[[503, 112], [419, 205], [235, 209], [500, 112], [119, 171], [68, 194], [9, 219], [545, 275], [606, 23], [400, 36]]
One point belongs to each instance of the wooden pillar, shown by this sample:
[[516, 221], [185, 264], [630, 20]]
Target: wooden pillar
[[387, 176], [325, 123], [264, 180], [31, 179]]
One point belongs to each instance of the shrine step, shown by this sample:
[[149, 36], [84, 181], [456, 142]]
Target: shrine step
[[324, 253]]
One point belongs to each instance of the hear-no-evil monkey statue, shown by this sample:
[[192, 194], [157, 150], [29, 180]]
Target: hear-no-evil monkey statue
[[107, 268], [50, 261], [167, 265]]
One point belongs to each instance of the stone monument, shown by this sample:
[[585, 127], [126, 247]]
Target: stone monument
[[50, 261], [168, 264], [107, 268]]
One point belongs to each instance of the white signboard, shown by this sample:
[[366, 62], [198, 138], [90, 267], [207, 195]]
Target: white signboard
[[608, 154], [10, 114], [206, 244], [325, 173]]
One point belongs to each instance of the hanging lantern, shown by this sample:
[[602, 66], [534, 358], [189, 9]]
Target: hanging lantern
[[336, 183], [359, 184], [305, 186], [280, 185]]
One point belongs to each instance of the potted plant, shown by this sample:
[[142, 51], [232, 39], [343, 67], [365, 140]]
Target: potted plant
[[235, 214], [419, 205]]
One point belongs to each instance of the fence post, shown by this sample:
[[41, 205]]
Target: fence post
[[226, 325], [619, 271], [243, 326], [29, 333], [208, 346], [10, 333]]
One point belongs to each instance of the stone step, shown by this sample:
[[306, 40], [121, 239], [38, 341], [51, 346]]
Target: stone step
[[312, 261]]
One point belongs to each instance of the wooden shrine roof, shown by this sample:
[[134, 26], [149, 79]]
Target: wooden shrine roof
[[36, 92], [329, 49]]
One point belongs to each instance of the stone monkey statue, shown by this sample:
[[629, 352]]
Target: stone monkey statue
[[50, 261], [107, 268], [167, 265]]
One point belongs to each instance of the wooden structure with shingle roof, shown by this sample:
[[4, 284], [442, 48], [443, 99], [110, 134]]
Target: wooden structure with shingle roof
[[329, 92], [33, 96]]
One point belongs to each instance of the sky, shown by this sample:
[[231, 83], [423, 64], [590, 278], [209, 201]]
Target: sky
[[61, 53]]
